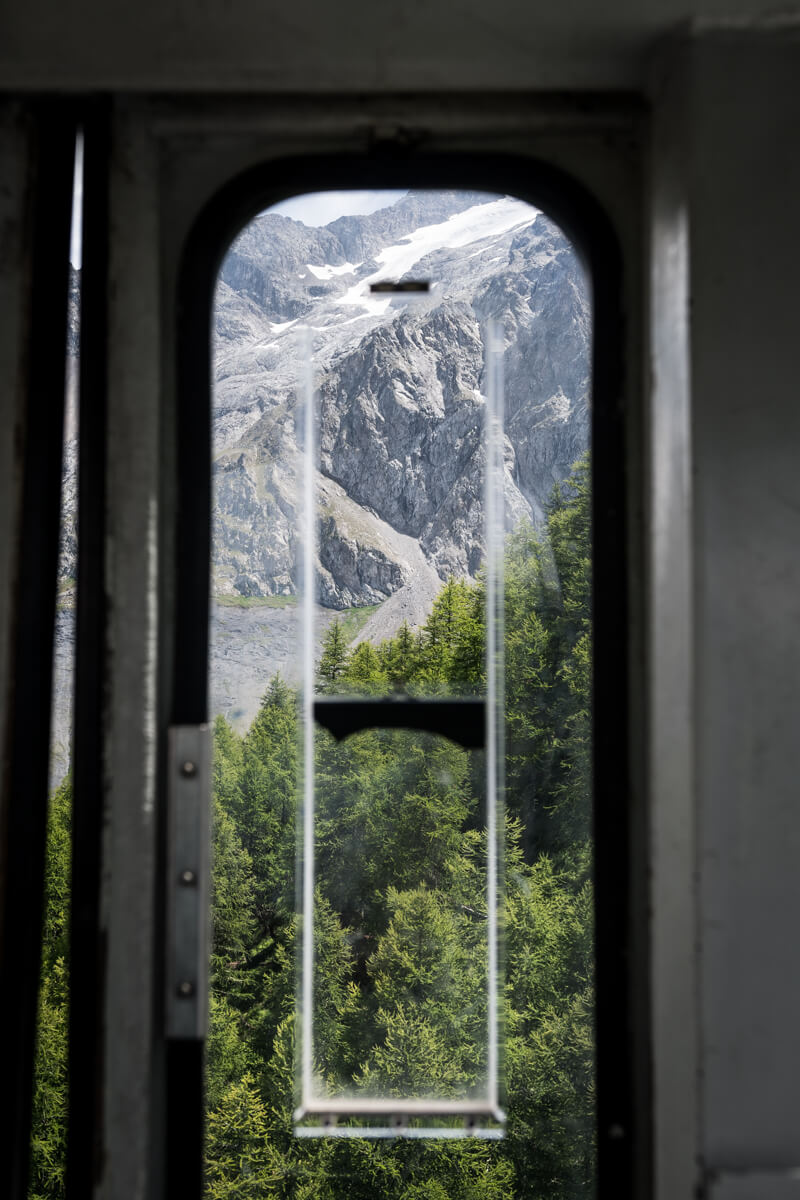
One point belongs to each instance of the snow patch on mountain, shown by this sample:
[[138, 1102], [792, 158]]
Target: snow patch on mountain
[[328, 272], [400, 387], [475, 224]]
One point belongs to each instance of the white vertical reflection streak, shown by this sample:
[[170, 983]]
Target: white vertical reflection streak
[[308, 581], [494, 509]]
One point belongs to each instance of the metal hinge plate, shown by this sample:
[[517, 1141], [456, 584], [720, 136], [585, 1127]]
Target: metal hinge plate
[[188, 883]]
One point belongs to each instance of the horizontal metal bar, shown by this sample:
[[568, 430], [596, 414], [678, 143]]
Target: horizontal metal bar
[[392, 1131], [377, 1106], [462, 720]]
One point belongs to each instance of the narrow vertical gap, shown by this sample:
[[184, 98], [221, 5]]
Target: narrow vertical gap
[[51, 1075], [86, 945], [52, 169]]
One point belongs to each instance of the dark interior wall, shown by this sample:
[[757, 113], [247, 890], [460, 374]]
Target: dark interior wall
[[393, 46]]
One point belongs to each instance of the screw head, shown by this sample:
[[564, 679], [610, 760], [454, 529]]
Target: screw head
[[187, 877], [188, 769], [185, 988]]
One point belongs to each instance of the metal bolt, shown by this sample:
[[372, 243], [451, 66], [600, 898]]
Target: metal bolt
[[187, 877], [185, 988], [188, 769]]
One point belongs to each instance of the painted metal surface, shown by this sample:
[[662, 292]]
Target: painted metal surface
[[241, 45], [188, 882], [129, 916], [755, 1184], [671, 730], [744, 268]]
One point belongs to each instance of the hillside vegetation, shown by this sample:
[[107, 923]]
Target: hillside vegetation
[[401, 963]]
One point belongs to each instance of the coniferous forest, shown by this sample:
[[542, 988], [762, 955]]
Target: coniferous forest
[[399, 943]]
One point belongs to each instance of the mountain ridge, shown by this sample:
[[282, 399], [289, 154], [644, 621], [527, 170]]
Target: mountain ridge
[[399, 385]]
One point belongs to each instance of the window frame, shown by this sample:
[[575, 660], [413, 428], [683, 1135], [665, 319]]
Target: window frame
[[623, 1128], [170, 181]]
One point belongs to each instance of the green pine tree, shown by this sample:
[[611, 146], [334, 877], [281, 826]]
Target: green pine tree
[[334, 659]]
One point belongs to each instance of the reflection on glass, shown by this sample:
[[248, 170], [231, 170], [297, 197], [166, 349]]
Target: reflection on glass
[[391, 808], [422, 946], [398, 979]]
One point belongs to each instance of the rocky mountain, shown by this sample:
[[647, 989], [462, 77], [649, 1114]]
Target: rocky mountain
[[400, 391]]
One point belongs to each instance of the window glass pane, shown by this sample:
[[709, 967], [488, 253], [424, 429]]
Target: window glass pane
[[399, 965], [411, 765]]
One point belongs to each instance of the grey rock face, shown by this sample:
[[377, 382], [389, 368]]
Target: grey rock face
[[400, 398], [400, 388]]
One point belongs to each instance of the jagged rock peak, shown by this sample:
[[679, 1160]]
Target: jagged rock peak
[[400, 388]]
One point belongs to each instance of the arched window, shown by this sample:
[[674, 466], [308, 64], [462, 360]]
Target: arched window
[[332, 1107], [168, 186]]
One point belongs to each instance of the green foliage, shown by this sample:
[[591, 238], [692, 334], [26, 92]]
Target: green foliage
[[236, 601], [57, 875], [233, 903], [49, 1115], [400, 910], [400, 929], [230, 1054], [429, 985], [242, 1162], [353, 620], [334, 660], [49, 1126], [365, 673], [548, 672], [451, 651]]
